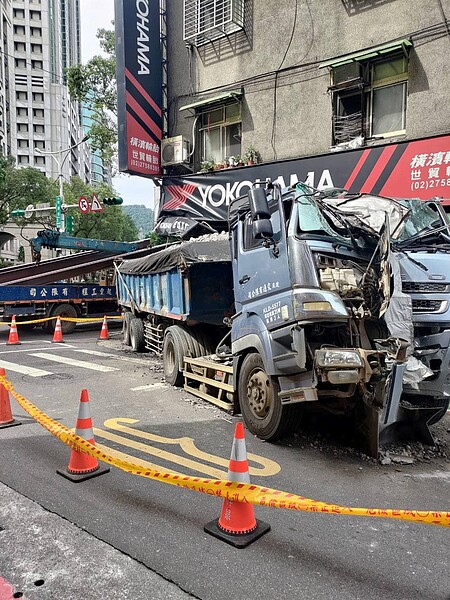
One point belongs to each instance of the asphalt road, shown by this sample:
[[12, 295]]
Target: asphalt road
[[122, 536]]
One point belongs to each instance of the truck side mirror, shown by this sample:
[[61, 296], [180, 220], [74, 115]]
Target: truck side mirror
[[259, 205], [262, 229]]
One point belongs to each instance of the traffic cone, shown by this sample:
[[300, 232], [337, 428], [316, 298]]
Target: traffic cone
[[57, 336], [83, 466], [13, 338], [237, 524], [104, 334], [6, 418]]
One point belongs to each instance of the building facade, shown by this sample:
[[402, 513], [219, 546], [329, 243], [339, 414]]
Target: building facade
[[304, 78], [41, 38]]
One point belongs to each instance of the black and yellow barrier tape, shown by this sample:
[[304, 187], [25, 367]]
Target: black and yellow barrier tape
[[238, 492], [71, 319]]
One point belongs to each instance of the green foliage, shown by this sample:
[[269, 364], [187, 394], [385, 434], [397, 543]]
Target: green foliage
[[141, 216], [95, 84], [21, 187]]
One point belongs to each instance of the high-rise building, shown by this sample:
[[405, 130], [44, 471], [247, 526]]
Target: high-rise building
[[41, 38]]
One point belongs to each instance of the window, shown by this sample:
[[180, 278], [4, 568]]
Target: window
[[35, 15], [36, 48], [38, 97], [207, 20], [23, 159], [20, 63], [22, 112], [22, 127], [21, 96], [39, 161], [220, 132], [38, 112], [36, 31], [38, 129], [37, 64], [39, 144], [19, 46], [22, 143], [19, 13], [19, 30], [369, 98]]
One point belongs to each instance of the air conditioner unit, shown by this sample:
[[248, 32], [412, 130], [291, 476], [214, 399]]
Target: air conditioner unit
[[174, 151]]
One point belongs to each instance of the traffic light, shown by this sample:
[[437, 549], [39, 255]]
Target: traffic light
[[17, 213], [112, 201], [69, 224]]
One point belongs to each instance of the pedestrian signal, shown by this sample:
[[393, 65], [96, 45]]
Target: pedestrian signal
[[112, 201]]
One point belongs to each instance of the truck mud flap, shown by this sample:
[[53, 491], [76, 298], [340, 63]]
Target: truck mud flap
[[412, 425], [367, 429]]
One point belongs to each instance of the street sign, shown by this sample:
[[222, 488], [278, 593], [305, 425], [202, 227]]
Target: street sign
[[58, 211], [96, 205], [29, 211], [83, 204]]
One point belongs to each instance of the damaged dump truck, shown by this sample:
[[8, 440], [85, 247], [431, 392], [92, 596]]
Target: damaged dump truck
[[335, 308]]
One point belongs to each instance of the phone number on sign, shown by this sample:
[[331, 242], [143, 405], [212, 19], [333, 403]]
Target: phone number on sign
[[425, 185]]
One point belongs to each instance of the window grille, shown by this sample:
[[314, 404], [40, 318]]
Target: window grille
[[207, 20]]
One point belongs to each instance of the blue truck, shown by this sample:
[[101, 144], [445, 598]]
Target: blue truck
[[72, 300], [320, 301]]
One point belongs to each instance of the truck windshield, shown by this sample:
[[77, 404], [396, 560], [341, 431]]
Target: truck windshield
[[349, 218]]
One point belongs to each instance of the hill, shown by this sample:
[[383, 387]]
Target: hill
[[142, 216]]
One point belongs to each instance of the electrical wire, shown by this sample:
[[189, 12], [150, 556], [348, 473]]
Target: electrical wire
[[444, 18]]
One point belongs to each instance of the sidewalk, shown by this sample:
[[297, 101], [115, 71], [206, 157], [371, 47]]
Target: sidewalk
[[44, 557]]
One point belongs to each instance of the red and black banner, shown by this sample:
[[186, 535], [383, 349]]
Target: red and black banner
[[139, 86], [415, 169]]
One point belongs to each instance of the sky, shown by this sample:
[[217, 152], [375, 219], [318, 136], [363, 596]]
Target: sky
[[94, 15]]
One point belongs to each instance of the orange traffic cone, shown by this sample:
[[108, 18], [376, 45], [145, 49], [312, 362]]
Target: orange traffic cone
[[6, 418], [13, 338], [237, 524], [83, 466], [104, 334], [57, 336]]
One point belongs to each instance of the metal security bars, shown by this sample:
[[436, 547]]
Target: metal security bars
[[207, 20]]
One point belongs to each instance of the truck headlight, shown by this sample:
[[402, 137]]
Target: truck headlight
[[338, 358]]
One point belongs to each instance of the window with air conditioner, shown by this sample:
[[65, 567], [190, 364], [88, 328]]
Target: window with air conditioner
[[369, 98], [220, 132], [207, 20]]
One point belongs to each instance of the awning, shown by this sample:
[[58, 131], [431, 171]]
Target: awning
[[220, 98], [373, 52]]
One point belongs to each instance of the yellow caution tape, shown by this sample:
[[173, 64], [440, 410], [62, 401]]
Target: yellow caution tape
[[71, 319], [231, 490]]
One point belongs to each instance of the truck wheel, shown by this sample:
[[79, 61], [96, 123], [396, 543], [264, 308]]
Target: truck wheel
[[64, 310], [261, 407], [137, 339], [127, 318], [175, 347]]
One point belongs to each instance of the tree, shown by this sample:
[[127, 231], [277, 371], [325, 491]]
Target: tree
[[21, 187], [94, 84]]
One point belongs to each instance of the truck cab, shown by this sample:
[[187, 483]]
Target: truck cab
[[321, 317]]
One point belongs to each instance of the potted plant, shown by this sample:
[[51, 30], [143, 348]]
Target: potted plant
[[239, 161], [252, 155], [206, 166]]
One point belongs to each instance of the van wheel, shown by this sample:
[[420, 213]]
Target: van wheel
[[175, 348], [64, 310], [261, 407], [137, 339], [127, 318]]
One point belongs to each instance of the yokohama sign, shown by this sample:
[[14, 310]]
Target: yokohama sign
[[139, 86], [415, 169]]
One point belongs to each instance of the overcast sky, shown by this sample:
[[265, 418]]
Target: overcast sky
[[134, 190]]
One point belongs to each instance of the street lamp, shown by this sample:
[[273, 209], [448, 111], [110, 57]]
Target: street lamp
[[57, 156]]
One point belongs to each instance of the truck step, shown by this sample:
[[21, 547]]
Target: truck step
[[210, 380]]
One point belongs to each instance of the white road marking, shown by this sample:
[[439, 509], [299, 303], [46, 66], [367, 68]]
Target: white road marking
[[34, 349], [73, 362], [150, 386], [32, 372], [137, 361]]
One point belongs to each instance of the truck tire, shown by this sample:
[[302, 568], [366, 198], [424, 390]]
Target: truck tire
[[260, 404], [137, 339], [127, 318], [64, 310], [175, 347]]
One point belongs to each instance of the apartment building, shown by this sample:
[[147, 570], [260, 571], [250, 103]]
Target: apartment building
[[40, 39], [343, 93]]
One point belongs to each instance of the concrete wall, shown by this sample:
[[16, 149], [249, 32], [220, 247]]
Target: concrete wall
[[300, 124]]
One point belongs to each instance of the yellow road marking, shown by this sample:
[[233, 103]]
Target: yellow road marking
[[268, 467]]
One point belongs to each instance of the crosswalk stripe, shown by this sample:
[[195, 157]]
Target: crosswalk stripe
[[137, 361], [31, 371], [73, 362]]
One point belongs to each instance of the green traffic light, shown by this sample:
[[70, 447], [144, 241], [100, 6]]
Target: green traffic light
[[112, 201]]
